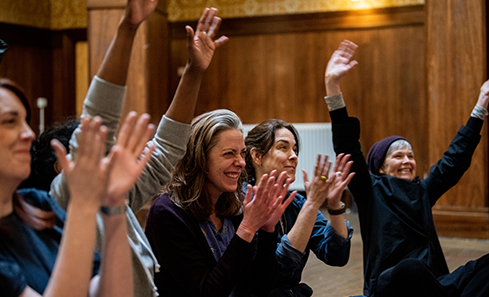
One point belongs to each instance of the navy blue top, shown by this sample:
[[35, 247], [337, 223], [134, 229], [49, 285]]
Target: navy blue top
[[30, 254], [325, 243]]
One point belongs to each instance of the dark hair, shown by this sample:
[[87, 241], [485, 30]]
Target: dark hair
[[261, 138], [19, 92], [44, 157], [188, 179]]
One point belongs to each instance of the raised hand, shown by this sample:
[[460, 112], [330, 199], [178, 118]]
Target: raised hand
[[484, 95], [127, 159], [339, 64], [342, 179], [87, 177], [139, 10], [317, 189], [201, 44]]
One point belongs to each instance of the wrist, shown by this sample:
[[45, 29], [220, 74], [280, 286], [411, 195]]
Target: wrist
[[337, 209], [246, 233], [127, 27], [112, 211], [312, 203], [332, 86], [193, 69]]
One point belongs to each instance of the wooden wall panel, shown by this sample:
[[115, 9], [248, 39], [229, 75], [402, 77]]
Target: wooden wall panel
[[147, 82], [280, 73], [42, 61], [274, 67], [456, 62]]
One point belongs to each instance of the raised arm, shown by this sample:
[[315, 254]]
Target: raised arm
[[340, 64], [87, 179], [105, 97], [116, 60], [126, 165], [200, 49], [317, 191], [343, 178], [457, 159], [173, 130]]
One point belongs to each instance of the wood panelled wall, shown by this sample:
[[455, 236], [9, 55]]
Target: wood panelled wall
[[147, 82], [456, 66], [273, 67], [43, 63]]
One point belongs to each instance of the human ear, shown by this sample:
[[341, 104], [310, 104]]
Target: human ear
[[57, 167], [255, 157]]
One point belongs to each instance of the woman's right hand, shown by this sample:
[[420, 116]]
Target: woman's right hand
[[138, 10], [267, 205], [340, 63], [317, 189]]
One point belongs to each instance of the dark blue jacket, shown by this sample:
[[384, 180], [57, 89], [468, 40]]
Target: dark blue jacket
[[324, 242]]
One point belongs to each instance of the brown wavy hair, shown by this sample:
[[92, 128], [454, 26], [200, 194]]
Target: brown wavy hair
[[261, 138], [34, 217], [187, 186]]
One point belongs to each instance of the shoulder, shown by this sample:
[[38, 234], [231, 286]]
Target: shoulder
[[37, 198], [42, 200], [164, 209]]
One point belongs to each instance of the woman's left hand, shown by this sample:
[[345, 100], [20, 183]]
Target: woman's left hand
[[127, 159], [201, 44], [342, 174]]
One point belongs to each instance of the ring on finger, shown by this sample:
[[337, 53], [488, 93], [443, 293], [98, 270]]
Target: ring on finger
[[338, 172], [324, 177]]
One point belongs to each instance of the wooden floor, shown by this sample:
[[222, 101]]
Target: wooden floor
[[348, 280]]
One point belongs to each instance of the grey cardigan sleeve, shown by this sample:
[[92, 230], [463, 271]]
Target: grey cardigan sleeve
[[106, 100], [103, 99], [171, 142]]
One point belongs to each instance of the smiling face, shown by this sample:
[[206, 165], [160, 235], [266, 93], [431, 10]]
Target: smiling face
[[282, 155], [15, 138], [225, 162], [400, 163]]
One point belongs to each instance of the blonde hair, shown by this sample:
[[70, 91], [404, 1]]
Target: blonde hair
[[187, 186]]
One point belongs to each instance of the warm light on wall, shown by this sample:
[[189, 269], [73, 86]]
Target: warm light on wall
[[182, 10]]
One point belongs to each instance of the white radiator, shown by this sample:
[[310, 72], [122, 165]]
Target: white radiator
[[315, 138]]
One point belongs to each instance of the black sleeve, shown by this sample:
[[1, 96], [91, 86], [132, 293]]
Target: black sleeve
[[346, 135], [454, 162]]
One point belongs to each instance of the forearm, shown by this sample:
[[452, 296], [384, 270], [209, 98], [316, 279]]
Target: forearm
[[171, 141], [301, 231], [339, 225], [116, 269], [183, 104], [73, 268], [116, 61]]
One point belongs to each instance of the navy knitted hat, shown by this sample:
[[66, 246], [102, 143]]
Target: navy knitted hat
[[376, 154]]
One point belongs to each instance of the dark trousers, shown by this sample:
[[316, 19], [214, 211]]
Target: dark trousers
[[412, 277]]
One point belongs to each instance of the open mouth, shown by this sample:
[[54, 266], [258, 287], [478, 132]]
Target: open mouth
[[232, 175]]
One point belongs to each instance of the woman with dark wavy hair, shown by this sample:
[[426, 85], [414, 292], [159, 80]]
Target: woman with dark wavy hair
[[211, 239], [39, 257], [274, 145]]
